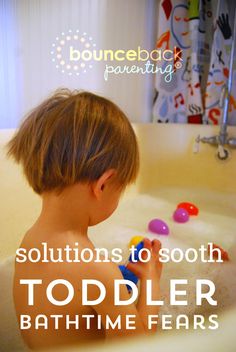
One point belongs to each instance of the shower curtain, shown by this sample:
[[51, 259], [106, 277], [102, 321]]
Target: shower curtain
[[201, 32]]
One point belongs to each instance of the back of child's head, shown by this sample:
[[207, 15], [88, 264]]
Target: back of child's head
[[75, 137]]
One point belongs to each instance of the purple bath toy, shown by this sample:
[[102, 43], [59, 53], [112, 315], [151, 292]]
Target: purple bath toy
[[181, 215], [158, 226]]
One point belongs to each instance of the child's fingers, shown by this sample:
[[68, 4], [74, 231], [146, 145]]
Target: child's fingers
[[156, 246], [148, 245]]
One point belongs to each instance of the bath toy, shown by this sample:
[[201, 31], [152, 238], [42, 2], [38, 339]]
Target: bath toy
[[191, 208], [224, 254], [158, 226], [135, 240], [128, 275], [181, 215]]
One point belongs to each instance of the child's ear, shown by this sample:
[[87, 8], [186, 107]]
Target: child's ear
[[99, 185]]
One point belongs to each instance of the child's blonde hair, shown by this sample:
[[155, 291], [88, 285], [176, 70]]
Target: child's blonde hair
[[75, 137]]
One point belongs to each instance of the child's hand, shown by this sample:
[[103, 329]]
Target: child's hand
[[152, 268]]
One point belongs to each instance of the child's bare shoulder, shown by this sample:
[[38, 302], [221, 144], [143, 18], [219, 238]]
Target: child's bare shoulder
[[88, 265], [67, 238]]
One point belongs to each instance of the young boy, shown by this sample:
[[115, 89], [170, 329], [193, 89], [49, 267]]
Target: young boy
[[78, 152]]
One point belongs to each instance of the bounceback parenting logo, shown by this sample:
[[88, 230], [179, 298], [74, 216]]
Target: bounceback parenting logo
[[74, 53], [62, 47]]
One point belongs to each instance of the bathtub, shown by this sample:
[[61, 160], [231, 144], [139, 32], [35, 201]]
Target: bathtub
[[170, 173]]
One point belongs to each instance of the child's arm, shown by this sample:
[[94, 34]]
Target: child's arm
[[107, 273]]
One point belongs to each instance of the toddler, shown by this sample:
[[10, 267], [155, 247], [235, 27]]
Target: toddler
[[78, 152]]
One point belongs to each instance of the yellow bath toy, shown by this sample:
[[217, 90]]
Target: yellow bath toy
[[135, 240]]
